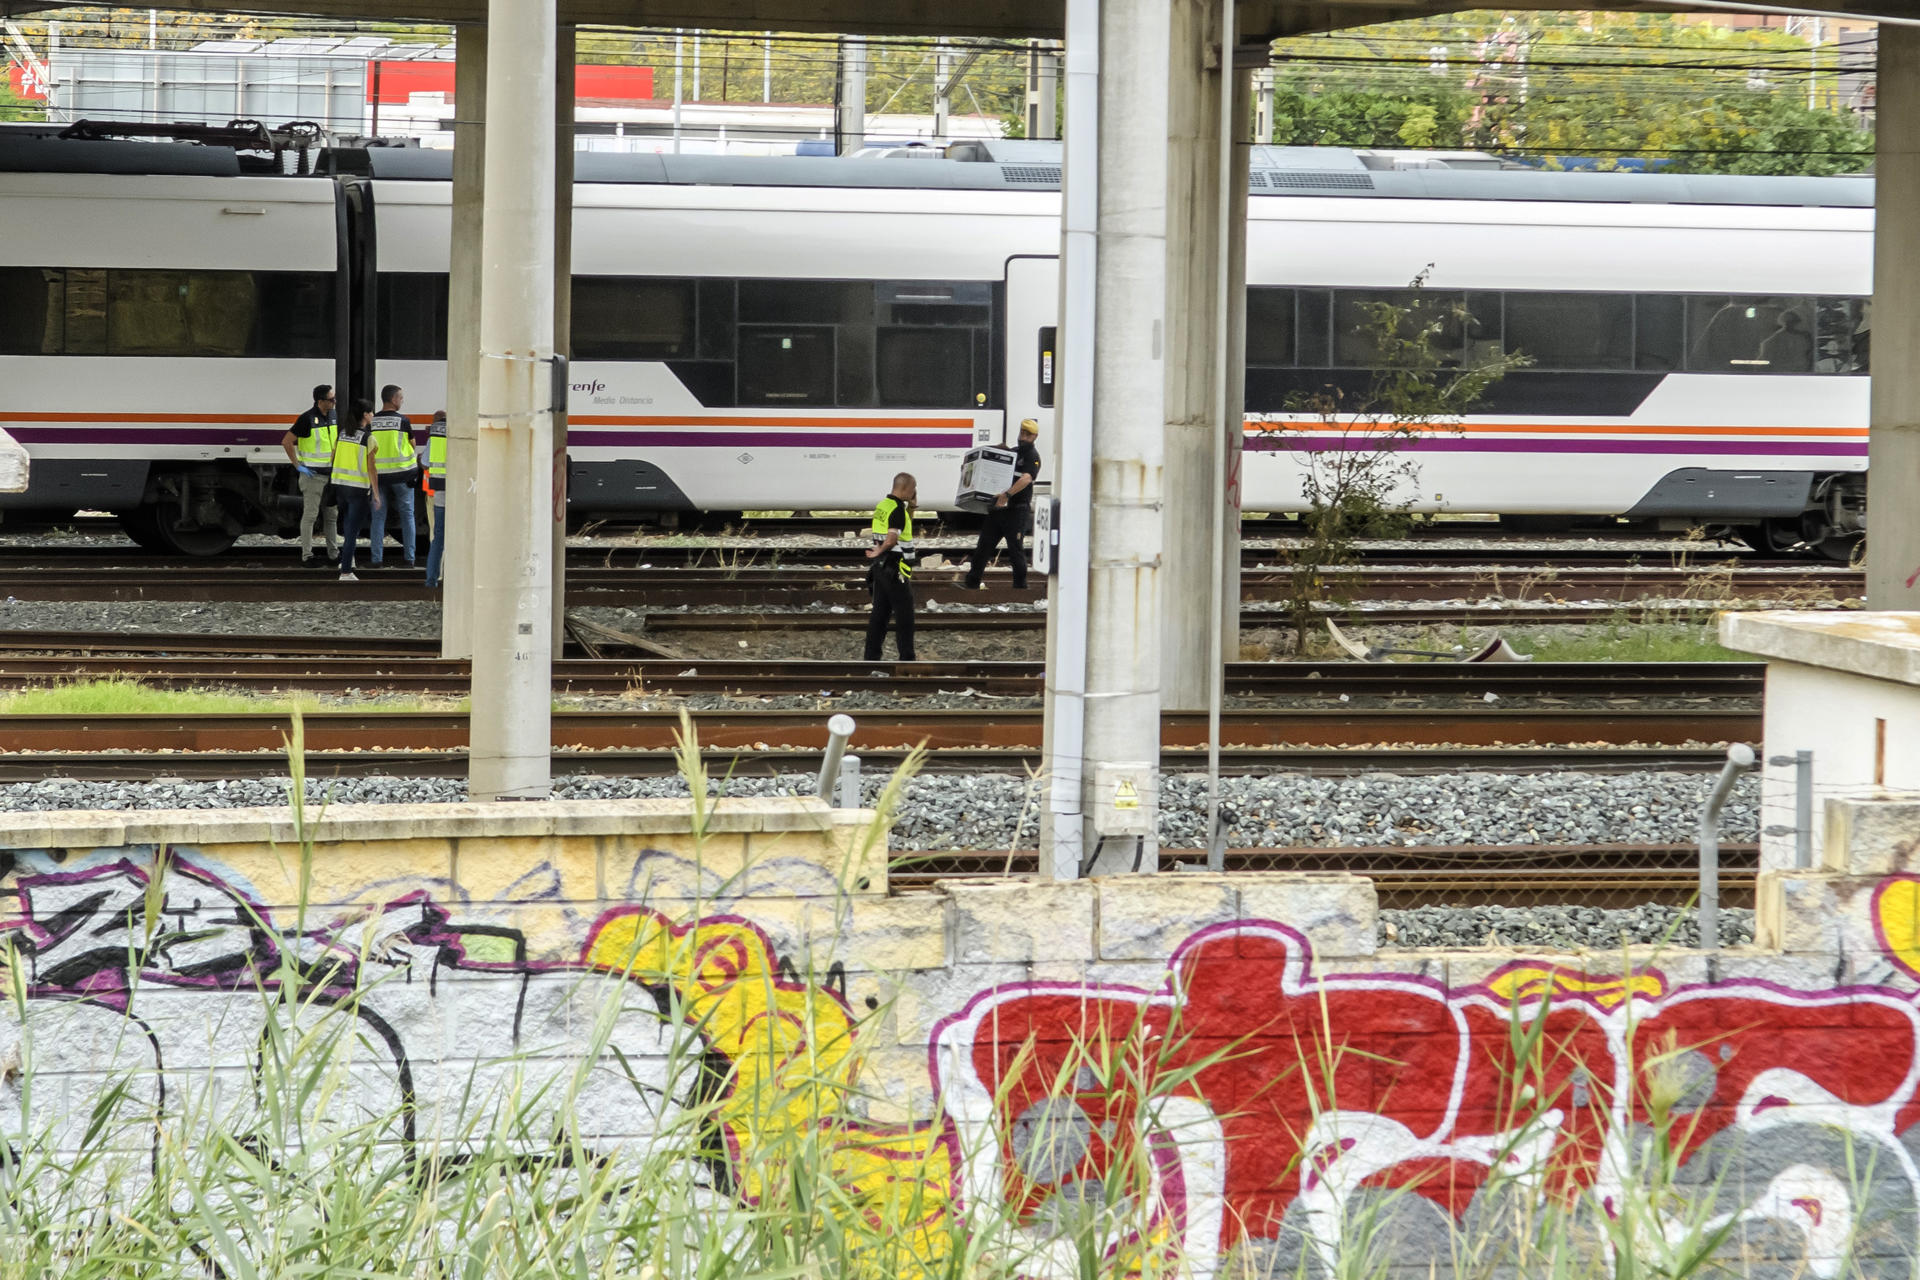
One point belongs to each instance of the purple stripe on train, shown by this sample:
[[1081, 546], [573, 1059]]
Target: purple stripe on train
[[1510, 444], [117, 434]]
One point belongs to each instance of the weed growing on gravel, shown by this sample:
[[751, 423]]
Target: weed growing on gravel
[[130, 697]]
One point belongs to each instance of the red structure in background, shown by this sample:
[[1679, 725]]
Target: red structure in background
[[26, 84], [395, 82]]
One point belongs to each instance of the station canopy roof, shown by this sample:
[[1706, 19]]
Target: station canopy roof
[[1258, 19]]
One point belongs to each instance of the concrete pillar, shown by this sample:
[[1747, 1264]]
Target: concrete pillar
[[463, 335], [1206, 221], [563, 82], [942, 102], [1893, 457], [851, 111], [511, 750], [1117, 774], [1043, 86]]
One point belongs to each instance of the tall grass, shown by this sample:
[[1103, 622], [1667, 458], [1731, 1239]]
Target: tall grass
[[749, 1155]]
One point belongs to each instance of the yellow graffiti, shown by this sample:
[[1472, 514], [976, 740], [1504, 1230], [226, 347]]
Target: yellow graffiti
[[1896, 914], [793, 1069], [1526, 985]]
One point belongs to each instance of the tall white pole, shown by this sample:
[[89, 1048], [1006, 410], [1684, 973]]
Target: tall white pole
[[766, 69], [679, 50], [463, 337], [696, 64], [511, 748], [1063, 840], [853, 97], [942, 104], [1813, 68]]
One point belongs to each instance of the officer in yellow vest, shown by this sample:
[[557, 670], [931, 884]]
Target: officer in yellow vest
[[892, 570], [396, 472], [309, 446], [354, 454], [437, 486]]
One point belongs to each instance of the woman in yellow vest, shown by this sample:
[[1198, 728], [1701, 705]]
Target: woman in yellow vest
[[354, 454], [437, 486]]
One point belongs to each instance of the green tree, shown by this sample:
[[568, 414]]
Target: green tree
[[16, 109]]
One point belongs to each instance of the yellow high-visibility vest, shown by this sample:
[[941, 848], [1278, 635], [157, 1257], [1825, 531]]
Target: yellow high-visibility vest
[[315, 449], [437, 457], [904, 546], [350, 460], [393, 445]]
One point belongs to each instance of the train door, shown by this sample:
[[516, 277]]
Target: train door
[[356, 297], [1033, 298]]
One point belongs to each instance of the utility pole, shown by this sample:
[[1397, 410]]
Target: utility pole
[[942, 100], [696, 64], [1263, 112], [1043, 88], [851, 117], [766, 68], [679, 49]]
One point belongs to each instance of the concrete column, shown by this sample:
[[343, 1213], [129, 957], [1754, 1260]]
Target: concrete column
[[851, 111], [1893, 458], [463, 336], [1119, 776], [1206, 224], [1043, 86], [563, 82], [942, 103], [511, 751]]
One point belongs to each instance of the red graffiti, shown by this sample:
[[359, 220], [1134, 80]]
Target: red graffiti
[[1320, 1087]]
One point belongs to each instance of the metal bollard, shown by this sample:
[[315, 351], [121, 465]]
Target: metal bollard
[[849, 782], [839, 729], [1739, 760]]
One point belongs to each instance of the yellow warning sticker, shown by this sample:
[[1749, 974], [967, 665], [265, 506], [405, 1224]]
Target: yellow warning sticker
[[1125, 796]]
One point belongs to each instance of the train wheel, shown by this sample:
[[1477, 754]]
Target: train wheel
[[1841, 548], [194, 542], [140, 526]]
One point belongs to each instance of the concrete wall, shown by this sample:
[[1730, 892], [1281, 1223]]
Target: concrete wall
[[1282, 1074]]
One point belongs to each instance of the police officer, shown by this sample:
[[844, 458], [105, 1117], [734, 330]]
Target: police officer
[[397, 471], [354, 454], [892, 570], [437, 485], [309, 446], [1012, 514]]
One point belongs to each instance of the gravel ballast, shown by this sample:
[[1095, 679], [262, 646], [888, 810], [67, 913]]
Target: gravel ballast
[[965, 812]]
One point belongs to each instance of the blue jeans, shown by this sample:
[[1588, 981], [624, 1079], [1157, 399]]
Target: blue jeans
[[438, 547], [396, 499], [353, 520]]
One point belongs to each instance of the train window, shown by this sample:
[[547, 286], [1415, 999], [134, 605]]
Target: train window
[[632, 318], [853, 366], [786, 364], [1314, 320], [296, 315], [1467, 326], [1659, 332], [806, 302], [716, 319], [1571, 330], [33, 311], [1842, 327], [180, 313], [1270, 327], [1750, 334], [86, 312], [411, 311], [926, 368]]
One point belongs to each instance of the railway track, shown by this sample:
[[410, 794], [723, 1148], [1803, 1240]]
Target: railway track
[[1311, 680], [1595, 875], [757, 730], [661, 587]]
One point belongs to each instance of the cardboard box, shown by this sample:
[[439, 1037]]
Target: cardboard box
[[985, 474]]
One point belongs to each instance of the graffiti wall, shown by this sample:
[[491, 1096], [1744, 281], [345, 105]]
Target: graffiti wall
[[1218, 1076]]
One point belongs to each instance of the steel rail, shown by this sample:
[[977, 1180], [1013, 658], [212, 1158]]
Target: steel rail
[[756, 730], [1316, 680]]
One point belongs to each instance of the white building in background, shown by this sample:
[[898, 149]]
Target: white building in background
[[369, 85]]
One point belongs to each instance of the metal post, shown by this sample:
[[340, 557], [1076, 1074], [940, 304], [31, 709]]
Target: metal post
[[1739, 760], [849, 782], [679, 52], [696, 64], [1803, 808], [463, 337], [766, 69], [1063, 841], [510, 755], [1229, 128], [564, 74], [1263, 115], [839, 730], [853, 97], [942, 104]]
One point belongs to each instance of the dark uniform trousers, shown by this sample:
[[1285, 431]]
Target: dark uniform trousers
[[893, 599], [1007, 524]]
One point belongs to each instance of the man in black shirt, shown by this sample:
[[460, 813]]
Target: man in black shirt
[[1012, 514], [309, 446]]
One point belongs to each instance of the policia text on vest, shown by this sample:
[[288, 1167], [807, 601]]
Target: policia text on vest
[[891, 573], [309, 445]]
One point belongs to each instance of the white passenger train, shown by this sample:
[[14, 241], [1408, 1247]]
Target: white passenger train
[[787, 332]]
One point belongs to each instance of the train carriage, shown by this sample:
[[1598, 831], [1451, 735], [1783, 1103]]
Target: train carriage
[[780, 332]]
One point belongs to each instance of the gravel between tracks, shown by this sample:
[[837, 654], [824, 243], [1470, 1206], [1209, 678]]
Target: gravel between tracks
[[970, 812]]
